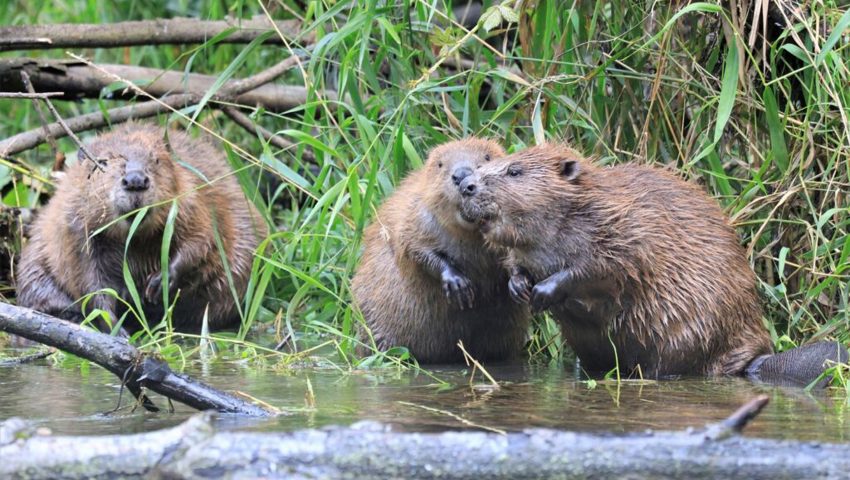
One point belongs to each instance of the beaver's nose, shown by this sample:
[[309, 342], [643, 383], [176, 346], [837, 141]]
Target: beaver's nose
[[135, 181], [468, 187], [460, 173]]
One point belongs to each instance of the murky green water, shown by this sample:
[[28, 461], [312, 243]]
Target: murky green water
[[71, 401]]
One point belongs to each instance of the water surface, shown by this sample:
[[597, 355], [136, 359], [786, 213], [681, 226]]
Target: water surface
[[77, 401]]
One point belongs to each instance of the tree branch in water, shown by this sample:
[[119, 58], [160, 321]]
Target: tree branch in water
[[135, 368]]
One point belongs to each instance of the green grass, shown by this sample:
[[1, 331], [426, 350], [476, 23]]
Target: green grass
[[763, 124]]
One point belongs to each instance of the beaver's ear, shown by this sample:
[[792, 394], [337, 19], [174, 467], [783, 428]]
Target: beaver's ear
[[569, 168]]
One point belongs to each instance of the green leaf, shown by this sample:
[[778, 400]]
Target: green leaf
[[728, 91], [309, 140], [390, 29], [285, 171], [491, 19], [783, 254], [125, 267], [836, 34], [410, 152], [230, 70], [826, 216], [509, 76], [508, 14], [167, 234], [537, 121], [777, 134], [726, 100]]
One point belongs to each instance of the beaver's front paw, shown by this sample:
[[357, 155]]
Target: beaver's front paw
[[545, 294], [153, 288], [458, 290], [519, 287]]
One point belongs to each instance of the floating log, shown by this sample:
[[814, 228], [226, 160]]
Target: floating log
[[369, 450]]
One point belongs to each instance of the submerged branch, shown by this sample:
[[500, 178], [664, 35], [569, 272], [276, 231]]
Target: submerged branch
[[149, 32], [122, 359], [24, 359], [368, 450]]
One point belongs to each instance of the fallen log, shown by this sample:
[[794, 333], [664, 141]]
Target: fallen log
[[148, 32], [115, 354], [368, 450], [79, 80], [231, 92]]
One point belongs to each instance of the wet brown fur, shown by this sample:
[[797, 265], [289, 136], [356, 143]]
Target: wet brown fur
[[64, 261], [398, 293], [657, 265]]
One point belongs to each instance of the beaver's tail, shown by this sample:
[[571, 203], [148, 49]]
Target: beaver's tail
[[799, 366]]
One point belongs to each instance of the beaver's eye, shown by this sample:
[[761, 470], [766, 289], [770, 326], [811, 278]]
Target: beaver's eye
[[486, 157], [514, 170], [439, 164]]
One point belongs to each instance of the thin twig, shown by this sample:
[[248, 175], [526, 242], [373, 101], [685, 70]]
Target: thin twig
[[475, 364], [278, 141], [58, 156], [98, 164], [456, 417], [32, 94], [238, 87], [736, 422]]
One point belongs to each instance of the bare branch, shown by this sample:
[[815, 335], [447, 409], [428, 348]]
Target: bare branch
[[32, 138], [79, 80], [238, 87], [150, 32], [30, 95]]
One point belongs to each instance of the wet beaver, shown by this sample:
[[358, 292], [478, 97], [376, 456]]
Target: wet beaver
[[640, 268], [424, 280], [67, 258]]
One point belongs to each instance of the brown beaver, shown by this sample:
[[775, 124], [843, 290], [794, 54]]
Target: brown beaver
[[66, 259], [640, 268], [424, 280]]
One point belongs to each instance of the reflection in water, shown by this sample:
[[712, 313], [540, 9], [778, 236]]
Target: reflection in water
[[72, 402]]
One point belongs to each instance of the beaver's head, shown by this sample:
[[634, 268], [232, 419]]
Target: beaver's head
[[518, 199], [449, 165], [137, 171]]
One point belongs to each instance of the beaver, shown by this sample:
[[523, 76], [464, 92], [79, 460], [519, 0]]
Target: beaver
[[640, 268], [424, 280], [79, 241]]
